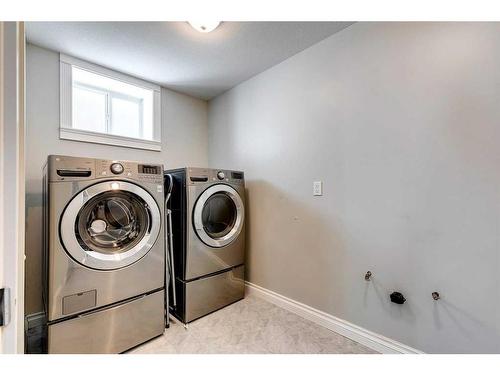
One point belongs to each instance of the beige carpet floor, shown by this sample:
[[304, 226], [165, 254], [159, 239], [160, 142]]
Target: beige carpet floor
[[250, 326]]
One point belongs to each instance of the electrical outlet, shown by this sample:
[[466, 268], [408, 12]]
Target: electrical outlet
[[317, 188]]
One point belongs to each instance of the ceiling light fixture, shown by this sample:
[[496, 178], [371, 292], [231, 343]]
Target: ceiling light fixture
[[204, 27]]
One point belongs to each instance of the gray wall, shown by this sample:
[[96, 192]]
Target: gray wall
[[401, 123], [184, 139]]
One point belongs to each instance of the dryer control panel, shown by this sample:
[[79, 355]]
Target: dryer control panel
[[207, 175]]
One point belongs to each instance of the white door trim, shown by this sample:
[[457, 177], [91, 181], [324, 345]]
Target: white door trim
[[363, 336], [12, 180], [1, 171]]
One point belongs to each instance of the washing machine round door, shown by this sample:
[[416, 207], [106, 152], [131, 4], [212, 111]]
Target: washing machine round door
[[110, 225], [218, 215]]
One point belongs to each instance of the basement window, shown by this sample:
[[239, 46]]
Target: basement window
[[99, 105]]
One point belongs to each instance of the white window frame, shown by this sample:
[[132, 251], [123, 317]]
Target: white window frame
[[66, 130]]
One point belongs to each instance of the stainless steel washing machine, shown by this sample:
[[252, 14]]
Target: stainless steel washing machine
[[105, 258], [207, 208]]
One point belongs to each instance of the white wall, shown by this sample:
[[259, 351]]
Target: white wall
[[401, 123], [184, 140]]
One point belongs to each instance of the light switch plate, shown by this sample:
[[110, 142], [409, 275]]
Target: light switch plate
[[317, 188]]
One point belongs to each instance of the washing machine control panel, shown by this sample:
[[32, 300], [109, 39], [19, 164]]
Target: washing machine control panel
[[150, 173], [143, 172]]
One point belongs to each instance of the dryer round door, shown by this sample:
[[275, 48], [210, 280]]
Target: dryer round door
[[218, 215], [110, 225]]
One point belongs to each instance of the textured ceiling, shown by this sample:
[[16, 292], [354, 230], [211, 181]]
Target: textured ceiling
[[176, 56]]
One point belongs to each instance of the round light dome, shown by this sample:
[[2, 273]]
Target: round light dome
[[204, 27]]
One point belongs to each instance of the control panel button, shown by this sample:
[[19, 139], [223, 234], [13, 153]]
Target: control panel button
[[221, 175], [116, 168]]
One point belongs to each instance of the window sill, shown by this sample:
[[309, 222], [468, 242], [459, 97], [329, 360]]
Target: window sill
[[108, 139]]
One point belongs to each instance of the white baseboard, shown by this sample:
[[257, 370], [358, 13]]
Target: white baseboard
[[370, 339]]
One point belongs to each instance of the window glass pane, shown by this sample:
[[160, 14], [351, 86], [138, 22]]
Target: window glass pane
[[89, 110], [125, 118], [147, 115], [130, 108]]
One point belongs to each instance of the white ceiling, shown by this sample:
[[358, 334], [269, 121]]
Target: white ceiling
[[176, 56]]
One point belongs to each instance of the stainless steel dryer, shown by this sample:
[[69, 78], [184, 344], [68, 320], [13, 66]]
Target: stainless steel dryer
[[208, 236], [105, 258]]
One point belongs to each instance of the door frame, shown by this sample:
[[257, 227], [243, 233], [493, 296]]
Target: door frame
[[12, 180]]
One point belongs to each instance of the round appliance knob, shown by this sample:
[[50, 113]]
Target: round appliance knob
[[221, 175], [116, 168]]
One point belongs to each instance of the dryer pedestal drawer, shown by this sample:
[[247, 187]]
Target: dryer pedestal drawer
[[211, 293], [110, 330]]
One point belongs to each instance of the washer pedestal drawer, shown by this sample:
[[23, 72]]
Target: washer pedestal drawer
[[211, 293], [110, 330]]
